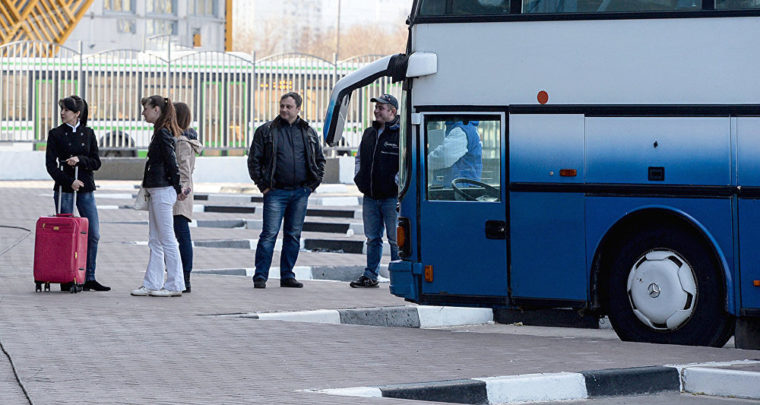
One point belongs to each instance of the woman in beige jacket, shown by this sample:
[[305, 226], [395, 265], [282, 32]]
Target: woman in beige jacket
[[187, 146]]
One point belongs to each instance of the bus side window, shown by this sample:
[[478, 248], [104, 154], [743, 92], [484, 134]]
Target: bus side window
[[480, 7], [463, 158], [549, 6], [433, 7]]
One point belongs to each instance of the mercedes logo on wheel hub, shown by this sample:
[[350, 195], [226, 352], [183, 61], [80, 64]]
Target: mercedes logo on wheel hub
[[654, 290]]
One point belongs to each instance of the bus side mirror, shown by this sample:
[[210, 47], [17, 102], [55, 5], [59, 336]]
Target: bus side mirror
[[422, 64]]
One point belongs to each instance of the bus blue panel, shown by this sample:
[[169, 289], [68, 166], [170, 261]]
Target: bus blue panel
[[712, 216], [454, 243], [749, 254], [748, 164], [403, 279], [623, 149], [547, 246], [541, 145]]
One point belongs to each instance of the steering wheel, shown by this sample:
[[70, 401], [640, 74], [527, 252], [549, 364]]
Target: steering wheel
[[491, 193]]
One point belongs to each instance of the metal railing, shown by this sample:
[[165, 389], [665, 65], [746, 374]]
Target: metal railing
[[229, 94]]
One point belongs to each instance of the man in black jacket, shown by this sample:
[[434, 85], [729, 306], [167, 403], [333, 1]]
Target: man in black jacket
[[286, 163], [376, 171]]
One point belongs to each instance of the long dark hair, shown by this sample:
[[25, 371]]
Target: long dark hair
[[183, 115], [75, 104], [168, 117]]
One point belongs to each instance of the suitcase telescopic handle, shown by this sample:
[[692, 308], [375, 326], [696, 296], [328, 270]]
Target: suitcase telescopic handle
[[60, 192]]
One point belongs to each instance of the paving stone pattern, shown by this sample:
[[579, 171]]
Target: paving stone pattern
[[111, 348]]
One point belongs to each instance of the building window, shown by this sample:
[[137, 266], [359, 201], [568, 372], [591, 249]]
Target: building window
[[156, 27], [162, 7], [204, 8], [125, 25], [120, 6]]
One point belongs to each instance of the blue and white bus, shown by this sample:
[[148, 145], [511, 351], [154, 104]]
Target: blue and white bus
[[616, 150]]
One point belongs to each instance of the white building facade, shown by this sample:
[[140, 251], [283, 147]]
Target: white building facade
[[315, 17], [151, 24]]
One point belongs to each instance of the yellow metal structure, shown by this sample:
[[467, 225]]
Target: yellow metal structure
[[40, 20], [228, 25]]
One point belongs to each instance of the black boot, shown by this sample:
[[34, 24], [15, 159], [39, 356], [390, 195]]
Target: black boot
[[187, 283], [93, 285]]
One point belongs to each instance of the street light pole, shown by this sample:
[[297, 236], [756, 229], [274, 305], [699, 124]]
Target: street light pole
[[168, 57], [337, 34]]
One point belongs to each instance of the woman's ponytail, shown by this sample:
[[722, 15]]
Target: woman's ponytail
[[83, 110], [168, 117], [75, 104]]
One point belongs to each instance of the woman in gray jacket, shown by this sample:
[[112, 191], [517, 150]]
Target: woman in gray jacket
[[187, 146]]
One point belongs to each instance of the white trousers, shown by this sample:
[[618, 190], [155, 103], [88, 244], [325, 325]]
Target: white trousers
[[164, 250]]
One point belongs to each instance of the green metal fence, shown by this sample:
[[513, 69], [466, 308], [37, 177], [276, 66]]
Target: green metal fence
[[229, 94]]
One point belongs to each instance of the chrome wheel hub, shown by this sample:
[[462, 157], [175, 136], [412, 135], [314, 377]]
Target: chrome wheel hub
[[662, 289]]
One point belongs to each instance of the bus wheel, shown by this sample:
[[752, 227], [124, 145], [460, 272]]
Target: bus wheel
[[666, 288]]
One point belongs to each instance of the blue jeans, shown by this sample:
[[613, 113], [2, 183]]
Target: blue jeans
[[379, 214], [88, 209], [279, 204], [182, 232]]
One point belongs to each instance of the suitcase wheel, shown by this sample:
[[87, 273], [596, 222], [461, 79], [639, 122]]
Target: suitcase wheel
[[37, 286], [66, 286], [75, 288], [47, 286]]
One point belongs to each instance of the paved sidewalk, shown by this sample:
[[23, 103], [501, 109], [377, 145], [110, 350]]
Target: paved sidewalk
[[103, 348]]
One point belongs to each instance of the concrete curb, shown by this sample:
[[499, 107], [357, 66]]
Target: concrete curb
[[327, 273], [307, 244], [347, 228], [242, 209], [336, 201], [565, 386], [405, 316], [719, 380]]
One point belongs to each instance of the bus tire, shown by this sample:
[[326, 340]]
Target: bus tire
[[666, 287]]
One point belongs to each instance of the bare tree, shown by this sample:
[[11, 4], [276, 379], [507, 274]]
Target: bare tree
[[269, 37], [265, 38], [355, 41]]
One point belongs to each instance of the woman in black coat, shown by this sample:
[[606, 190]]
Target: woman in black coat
[[71, 145], [161, 182]]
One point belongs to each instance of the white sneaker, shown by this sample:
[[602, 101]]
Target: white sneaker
[[165, 293], [141, 292]]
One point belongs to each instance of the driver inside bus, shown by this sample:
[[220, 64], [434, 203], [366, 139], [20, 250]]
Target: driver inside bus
[[458, 156]]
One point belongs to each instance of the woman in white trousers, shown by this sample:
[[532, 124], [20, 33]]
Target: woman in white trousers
[[161, 181]]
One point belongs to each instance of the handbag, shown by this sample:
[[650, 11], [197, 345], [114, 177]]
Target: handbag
[[141, 201]]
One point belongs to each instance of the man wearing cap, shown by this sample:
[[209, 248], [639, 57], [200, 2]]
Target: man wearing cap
[[375, 175]]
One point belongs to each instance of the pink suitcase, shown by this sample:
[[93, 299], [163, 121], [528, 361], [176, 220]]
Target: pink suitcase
[[60, 251]]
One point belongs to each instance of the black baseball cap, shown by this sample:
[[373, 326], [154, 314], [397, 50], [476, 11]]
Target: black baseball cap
[[386, 99]]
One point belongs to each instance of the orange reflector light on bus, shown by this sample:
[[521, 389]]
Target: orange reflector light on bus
[[400, 235], [568, 172], [429, 273], [756, 283], [542, 97], [403, 237]]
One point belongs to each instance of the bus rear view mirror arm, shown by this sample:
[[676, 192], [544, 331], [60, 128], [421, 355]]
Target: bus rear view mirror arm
[[397, 67]]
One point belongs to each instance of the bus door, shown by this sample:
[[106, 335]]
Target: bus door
[[463, 226]]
